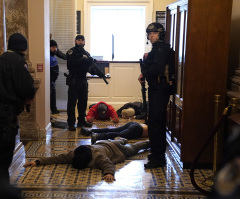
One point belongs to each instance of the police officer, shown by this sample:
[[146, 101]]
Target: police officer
[[158, 93], [16, 89], [54, 73], [78, 62]]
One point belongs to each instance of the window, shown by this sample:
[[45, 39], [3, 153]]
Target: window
[[118, 32], [115, 29]]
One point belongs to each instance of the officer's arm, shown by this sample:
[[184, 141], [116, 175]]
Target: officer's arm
[[60, 54], [77, 61], [23, 82]]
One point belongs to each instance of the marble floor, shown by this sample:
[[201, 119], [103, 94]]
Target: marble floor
[[132, 180]]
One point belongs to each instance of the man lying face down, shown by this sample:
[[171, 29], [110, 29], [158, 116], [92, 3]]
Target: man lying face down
[[102, 111], [101, 155]]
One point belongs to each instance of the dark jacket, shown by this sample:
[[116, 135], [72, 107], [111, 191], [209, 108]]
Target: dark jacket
[[137, 106], [78, 60], [54, 68], [16, 83], [156, 60]]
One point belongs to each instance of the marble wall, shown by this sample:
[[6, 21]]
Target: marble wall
[[16, 15]]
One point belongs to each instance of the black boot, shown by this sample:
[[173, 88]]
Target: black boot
[[155, 163], [84, 123], [71, 128], [85, 131], [55, 111]]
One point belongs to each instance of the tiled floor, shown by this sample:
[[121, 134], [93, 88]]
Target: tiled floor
[[132, 180]]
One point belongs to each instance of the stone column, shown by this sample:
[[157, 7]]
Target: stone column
[[2, 27], [17, 21]]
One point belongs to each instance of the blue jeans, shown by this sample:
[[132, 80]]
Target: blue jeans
[[131, 149]]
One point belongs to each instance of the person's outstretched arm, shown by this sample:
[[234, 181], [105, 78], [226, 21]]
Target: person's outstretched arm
[[113, 114], [31, 164], [58, 159], [105, 164], [109, 178], [91, 115]]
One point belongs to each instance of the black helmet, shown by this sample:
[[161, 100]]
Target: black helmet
[[156, 27], [17, 42], [80, 37], [53, 43]]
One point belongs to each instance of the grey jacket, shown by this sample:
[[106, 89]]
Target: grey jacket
[[104, 155]]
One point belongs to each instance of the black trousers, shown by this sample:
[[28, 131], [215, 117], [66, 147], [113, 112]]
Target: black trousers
[[158, 96], [130, 130], [53, 106], [8, 132], [77, 94]]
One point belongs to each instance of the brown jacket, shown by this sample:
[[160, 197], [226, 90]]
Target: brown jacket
[[104, 155]]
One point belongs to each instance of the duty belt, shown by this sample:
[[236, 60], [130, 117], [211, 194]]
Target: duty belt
[[156, 81]]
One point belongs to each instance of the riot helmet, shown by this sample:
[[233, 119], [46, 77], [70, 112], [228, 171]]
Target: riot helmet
[[156, 27]]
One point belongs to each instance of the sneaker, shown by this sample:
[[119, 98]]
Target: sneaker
[[124, 140], [150, 156], [85, 131], [71, 128], [55, 112], [153, 163], [94, 137], [147, 144], [84, 124]]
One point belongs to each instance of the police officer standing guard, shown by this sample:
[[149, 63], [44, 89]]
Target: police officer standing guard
[[78, 62], [16, 89], [158, 93]]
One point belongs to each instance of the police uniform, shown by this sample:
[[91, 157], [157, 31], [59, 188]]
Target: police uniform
[[77, 63], [16, 85], [54, 72], [158, 97]]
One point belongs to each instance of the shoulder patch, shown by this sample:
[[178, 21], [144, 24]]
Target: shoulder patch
[[26, 66], [70, 52]]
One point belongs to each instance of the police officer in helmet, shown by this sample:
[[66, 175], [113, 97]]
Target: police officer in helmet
[[16, 90], [78, 62], [158, 93]]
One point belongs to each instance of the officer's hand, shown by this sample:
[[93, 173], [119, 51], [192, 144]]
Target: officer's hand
[[91, 119], [109, 178], [31, 164], [28, 101], [115, 119], [141, 79], [145, 55]]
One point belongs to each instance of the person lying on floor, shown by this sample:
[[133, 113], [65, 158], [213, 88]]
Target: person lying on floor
[[102, 155], [130, 130], [102, 111], [136, 106]]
